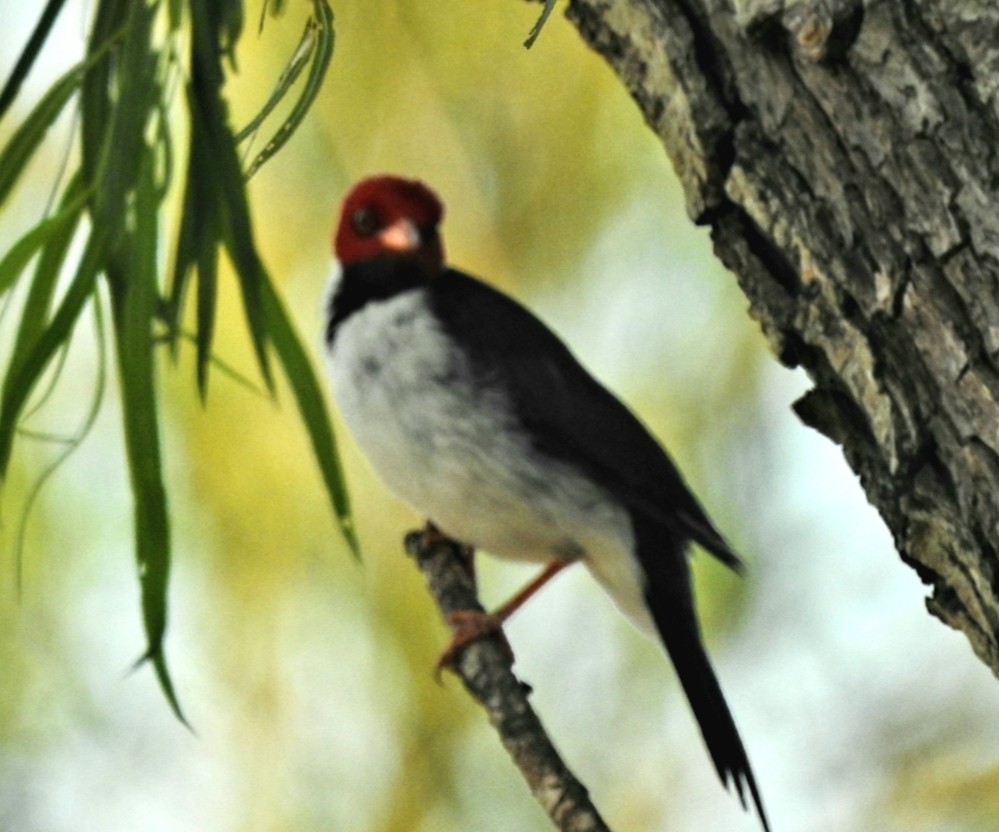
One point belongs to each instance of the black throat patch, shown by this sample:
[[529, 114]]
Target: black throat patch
[[369, 281]]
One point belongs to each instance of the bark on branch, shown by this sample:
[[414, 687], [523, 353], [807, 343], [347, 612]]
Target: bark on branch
[[846, 158], [485, 669]]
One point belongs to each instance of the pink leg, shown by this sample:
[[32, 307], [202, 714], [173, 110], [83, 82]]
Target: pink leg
[[470, 625]]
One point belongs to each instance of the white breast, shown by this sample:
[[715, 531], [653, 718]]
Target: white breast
[[448, 444]]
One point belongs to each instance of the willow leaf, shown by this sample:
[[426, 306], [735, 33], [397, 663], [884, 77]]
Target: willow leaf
[[31, 50], [299, 60], [540, 24], [21, 253], [187, 250], [72, 443], [213, 149], [53, 255], [24, 375], [138, 93], [95, 91], [207, 303], [226, 369], [135, 309], [42, 287], [318, 31], [56, 228], [313, 410], [28, 137]]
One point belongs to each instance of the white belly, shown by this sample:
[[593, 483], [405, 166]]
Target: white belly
[[447, 445]]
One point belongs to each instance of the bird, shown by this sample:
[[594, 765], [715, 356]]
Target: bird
[[472, 410]]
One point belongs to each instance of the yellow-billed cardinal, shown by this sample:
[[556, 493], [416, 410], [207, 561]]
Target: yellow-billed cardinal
[[473, 411]]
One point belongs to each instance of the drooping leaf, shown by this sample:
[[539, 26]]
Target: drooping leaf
[[227, 369], [190, 240], [28, 137], [121, 98], [299, 60], [55, 229], [138, 92], [23, 376], [125, 130], [274, 7], [312, 408], [540, 24], [95, 90], [317, 42], [31, 50], [207, 303], [63, 225], [196, 252], [71, 443], [60, 229], [214, 152], [135, 307]]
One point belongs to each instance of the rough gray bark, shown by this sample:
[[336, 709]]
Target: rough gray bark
[[845, 157], [485, 667]]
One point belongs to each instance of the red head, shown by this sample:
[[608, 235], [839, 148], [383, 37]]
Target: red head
[[389, 215]]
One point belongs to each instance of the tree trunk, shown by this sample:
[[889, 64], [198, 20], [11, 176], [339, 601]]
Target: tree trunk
[[845, 157]]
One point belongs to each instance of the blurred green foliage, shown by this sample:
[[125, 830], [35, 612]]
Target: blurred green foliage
[[115, 196]]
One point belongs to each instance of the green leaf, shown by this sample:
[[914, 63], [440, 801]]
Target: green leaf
[[27, 138], [16, 260], [207, 298], [54, 250], [71, 443], [121, 183], [35, 312], [215, 166], [190, 239], [299, 60], [227, 369], [197, 247], [175, 10], [95, 91], [135, 306], [21, 253], [238, 238], [275, 7], [542, 20], [317, 41], [22, 376], [31, 50], [312, 407], [53, 235], [137, 96], [166, 684], [231, 25]]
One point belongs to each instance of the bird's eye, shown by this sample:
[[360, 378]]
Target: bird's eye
[[365, 222]]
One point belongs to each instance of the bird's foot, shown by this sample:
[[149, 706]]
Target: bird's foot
[[469, 626]]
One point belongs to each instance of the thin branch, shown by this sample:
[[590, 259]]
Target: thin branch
[[485, 668]]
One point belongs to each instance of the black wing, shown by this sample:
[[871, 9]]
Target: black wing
[[572, 416]]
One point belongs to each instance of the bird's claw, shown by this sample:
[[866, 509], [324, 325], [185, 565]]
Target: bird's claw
[[469, 626]]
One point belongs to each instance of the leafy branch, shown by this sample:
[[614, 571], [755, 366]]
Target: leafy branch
[[113, 201]]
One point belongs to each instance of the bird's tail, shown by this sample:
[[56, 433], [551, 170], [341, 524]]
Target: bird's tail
[[671, 604]]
